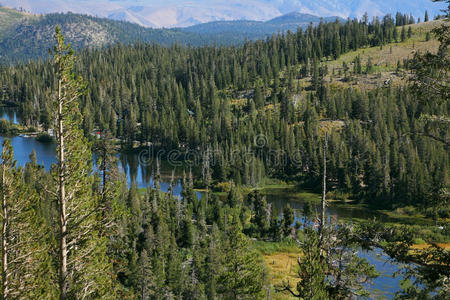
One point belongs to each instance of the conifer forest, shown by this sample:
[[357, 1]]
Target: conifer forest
[[253, 152]]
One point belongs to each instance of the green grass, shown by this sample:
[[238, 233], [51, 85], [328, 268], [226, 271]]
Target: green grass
[[269, 248], [294, 193]]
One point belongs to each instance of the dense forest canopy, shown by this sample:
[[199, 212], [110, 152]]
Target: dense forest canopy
[[25, 36], [76, 233], [222, 98]]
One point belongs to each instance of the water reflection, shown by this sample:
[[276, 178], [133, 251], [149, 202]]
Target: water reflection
[[142, 175], [384, 286], [10, 114], [24, 146], [280, 199]]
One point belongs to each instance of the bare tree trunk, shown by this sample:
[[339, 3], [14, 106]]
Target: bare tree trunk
[[104, 172], [324, 190], [62, 202], [5, 290]]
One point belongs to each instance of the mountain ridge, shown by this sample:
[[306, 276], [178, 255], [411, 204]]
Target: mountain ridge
[[252, 30], [24, 36], [171, 13]]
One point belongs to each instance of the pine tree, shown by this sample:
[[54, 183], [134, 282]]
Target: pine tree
[[311, 271], [369, 66], [145, 276], [7, 188], [324, 191], [261, 217], [409, 32], [288, 219], [426, 19], [84, 270], [243, 275], [234, 197], [336, 46], [403, 34], [24, 238]]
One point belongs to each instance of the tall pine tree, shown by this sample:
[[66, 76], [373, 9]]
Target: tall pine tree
[[83, 267]]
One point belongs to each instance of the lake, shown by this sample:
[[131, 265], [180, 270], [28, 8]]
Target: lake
[[128, 163], [384, 286]]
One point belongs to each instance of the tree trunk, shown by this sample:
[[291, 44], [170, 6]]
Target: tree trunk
[[5, 290], [62, 202], [324, 190]]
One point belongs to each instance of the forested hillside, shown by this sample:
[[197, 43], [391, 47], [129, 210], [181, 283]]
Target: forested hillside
[[24, 36], [32, 36], [222, 99], [292, 107], [255, 30], [10, 17]]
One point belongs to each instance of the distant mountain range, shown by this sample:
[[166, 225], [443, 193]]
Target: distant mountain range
[[26, 36], [185, 13], [252, 30]]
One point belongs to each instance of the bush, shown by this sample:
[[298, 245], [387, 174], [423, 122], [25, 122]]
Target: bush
[[44, 137], [338, 195], [31, 129], [407, 210], [273, 181], [444, 213], [5, 126], [222, 187], [419, 241]]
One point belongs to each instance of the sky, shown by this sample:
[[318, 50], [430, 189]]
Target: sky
[[182, 13]]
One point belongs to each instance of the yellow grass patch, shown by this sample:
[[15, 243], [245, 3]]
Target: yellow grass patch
[[328, 125], [445, 246], [389, 54], [269, 107], [282, 267], [239, 102], [384, 60]]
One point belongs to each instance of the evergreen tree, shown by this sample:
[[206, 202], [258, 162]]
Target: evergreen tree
[[243, 275], [403, 34], [145, 276], [84, 269], [311, 270], [24, 241], [288, 219]]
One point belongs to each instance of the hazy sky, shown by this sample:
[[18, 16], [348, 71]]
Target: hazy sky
[[170, 13]]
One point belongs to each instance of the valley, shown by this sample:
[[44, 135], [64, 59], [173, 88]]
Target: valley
[[224, 160]]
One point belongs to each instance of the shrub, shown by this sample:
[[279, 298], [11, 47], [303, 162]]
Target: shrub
[[444, 213], [407, 210], [5, 126], [44, 137], [222, 187], [419, 241], [31, 129]]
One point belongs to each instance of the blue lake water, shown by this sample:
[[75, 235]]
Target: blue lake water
[[9, 114], [384, 286], [46, 156]]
